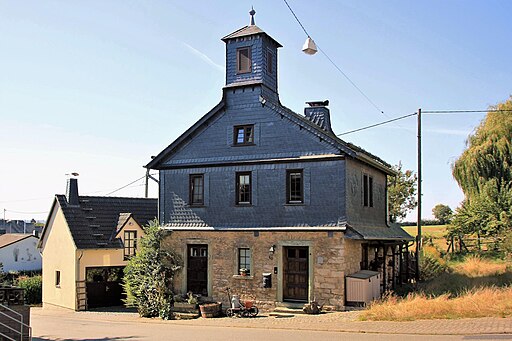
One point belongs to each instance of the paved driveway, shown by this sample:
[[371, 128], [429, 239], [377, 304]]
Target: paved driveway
[[96, 326]]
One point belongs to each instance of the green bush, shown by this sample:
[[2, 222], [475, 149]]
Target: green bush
[[33, 289], [431, 267], [148, 276]]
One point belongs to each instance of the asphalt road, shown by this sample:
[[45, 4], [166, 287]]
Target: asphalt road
[[49, 326]]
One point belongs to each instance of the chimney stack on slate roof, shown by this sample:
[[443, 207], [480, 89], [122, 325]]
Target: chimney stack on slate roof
[[319, 114], [72, 192]]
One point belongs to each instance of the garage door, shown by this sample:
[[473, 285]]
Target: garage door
[[104, 286]]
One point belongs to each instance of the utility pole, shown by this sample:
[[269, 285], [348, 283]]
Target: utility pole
[[147, 183], [418, 236]]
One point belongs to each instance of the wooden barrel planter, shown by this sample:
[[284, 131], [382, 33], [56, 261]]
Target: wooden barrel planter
[[210, 310]]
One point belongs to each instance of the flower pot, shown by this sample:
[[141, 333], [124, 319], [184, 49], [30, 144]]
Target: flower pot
[[182, 307], [210, 310]]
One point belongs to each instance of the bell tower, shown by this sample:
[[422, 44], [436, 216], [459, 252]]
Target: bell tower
[[251, 57]]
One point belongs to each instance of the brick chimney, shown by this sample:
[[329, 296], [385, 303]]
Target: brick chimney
[[72, 192], [319, 114]]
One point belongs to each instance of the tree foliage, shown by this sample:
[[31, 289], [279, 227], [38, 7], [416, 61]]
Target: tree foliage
[[488, 155], [401, 193], [149, 275], [443, 213], [484, 172]]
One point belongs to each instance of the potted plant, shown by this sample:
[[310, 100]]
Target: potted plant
[[187, 304], [244, 271], [209, 310]]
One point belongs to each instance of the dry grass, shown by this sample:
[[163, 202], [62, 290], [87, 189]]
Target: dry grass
[[475, 266], [483, 302]]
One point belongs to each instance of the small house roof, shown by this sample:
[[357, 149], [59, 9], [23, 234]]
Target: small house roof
[[11, 238], [94, 222], [378, 232]]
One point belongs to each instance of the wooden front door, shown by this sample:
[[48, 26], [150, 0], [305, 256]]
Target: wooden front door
[[296, 275], [197, 269]]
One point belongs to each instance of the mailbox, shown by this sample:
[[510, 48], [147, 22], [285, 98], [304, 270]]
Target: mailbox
[[267, 280]]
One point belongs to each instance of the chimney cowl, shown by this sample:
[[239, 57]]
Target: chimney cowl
[[72, 192], [319, 114]]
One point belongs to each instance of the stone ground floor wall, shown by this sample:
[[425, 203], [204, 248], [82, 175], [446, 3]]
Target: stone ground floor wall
[[331, 258]]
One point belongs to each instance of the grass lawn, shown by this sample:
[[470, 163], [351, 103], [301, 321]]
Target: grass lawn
[[436, 231]]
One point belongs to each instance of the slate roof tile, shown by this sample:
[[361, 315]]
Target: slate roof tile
[[93, 224]]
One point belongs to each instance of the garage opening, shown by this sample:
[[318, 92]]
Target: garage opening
[[104, 286]]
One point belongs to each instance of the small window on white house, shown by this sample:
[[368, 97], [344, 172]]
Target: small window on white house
[[57, 278], [130, 244]]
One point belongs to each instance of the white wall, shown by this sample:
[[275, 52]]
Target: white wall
[[28, 257]]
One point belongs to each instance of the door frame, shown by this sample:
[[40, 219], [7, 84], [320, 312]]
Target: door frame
[[280, 266], [184, 254]]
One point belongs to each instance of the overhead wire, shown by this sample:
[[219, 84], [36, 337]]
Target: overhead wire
[[438, 112], [377, 124], [340, 70], [131, 183]]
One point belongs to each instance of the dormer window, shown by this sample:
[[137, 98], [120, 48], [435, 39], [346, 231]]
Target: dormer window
[[244, 135], [243, 60]]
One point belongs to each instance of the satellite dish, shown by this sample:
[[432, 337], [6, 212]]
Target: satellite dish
[[309, 47]]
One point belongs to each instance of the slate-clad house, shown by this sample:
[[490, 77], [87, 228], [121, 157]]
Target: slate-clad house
[[85, 245], [254, 186]]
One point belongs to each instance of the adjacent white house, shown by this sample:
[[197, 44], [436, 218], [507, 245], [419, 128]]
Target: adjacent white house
[[18, 252]]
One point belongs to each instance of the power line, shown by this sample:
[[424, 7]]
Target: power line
[[291, 10], [22, 212], [335, 65], [461, 111], [377, 124], [131, 183]]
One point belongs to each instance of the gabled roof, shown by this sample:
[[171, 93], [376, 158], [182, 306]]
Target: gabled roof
[[248, 30], [93, 224], [153, 164], [11, 238], [345, 147]]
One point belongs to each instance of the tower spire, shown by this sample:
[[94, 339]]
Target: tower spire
[[252, 13]]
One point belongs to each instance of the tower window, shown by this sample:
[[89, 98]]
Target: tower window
[[243, 60], [270, 60]]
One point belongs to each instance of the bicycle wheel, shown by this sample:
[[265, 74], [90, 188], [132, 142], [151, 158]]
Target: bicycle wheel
[[253, 311], [230, 312]]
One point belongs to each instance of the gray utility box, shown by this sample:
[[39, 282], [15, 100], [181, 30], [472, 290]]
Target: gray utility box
[[362, 287]]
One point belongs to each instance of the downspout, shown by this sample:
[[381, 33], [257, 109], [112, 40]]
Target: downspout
[[77, 276]]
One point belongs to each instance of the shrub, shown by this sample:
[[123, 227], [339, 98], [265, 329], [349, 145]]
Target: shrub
[[149, 275], [33, 288], [431, 264]]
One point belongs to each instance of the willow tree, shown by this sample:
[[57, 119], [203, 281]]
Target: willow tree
[[484, 172], [488, 155]]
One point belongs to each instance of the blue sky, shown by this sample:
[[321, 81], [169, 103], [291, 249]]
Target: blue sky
[[97, 87]]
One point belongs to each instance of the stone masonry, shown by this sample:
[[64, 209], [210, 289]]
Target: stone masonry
[[331, 257]]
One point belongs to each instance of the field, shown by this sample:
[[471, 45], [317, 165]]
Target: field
[[470, 287], [436, 232]]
